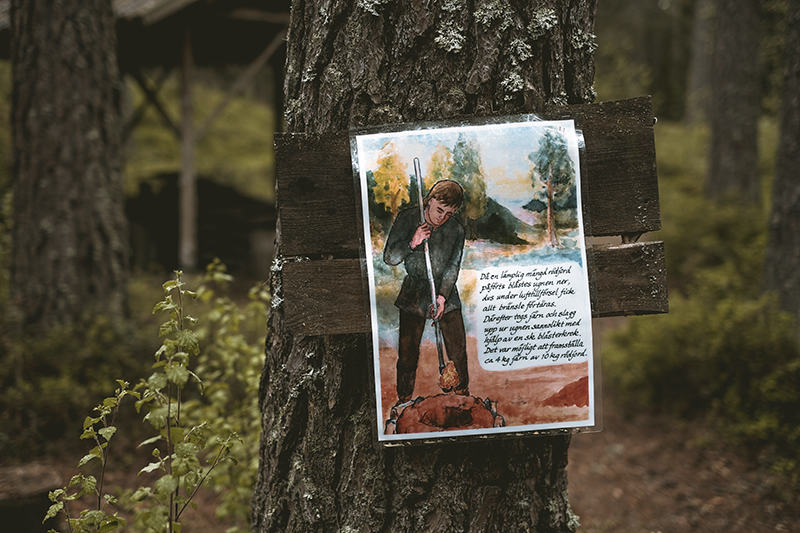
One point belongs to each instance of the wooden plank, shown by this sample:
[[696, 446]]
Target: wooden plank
[[628, 279], [327, 297], [316, 195], [621, 185], [317, 192]]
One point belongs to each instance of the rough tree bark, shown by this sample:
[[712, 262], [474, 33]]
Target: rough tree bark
[[69, 233], [735, 105], [361, 62], [782, 264]]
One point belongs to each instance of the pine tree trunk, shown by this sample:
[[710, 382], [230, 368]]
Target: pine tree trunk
[[69, 234], [353, 63], [699, 81], [782, 264], [735, 105], [551, 219]]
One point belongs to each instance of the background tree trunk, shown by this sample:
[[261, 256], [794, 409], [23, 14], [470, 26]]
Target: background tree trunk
[[699, 80], [354, 63], [69, 233], [735, 105], [782, 262]]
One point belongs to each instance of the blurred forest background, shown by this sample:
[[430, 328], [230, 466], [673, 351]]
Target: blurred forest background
[[727, 353]]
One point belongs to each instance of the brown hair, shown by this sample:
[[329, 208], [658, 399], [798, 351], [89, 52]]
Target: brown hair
[[447, 192]]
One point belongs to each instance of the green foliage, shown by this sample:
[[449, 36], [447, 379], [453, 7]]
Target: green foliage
[[391, 180], [230, 361], [237, 151], [552, 177], [195, 422], [719, 354], [725, 351], [39, 377], [467, 170]]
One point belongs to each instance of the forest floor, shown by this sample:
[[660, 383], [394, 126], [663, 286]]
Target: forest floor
[[642, 473], [655, 473], [648, 473]]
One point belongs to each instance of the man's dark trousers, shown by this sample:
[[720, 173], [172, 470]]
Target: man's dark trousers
[[455, 341]]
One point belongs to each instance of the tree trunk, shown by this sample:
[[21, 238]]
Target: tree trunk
[[699, 82], [354, 63], [70, 241], [735, 105], [551, 218], [782, 264]]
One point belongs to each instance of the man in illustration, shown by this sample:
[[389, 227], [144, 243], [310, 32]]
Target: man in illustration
[[405, 244]]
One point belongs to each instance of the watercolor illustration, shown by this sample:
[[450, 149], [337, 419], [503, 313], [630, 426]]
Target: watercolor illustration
[[477, 267]]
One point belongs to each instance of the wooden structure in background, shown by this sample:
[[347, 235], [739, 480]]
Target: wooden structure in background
[[321, 230], [183, 34]]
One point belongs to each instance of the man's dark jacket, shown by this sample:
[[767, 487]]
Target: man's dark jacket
[[446, 246]]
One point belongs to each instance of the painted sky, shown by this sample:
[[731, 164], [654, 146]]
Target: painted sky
[[503, 148]]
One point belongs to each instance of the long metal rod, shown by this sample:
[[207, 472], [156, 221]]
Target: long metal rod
[[435, 303]]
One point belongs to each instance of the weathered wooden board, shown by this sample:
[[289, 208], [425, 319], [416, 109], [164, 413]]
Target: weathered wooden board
[[318, 206], [317, 195], [628, 279], [620, 190], [324, 297]]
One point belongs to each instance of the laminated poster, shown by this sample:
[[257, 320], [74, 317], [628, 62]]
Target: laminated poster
[[481, 319]]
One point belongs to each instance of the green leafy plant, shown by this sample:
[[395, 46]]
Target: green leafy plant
[[178, 446], [231, 358], [95, 519], [725, 352]]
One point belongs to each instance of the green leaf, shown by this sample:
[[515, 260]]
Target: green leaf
[[147, 399], [89, 421], [141, 494], [177, 434], [88, 433], [89, 485], [181, 357], [188, 340], [167, 328], [53, 511], [186, 449], [151, 440], [111, 401], [111, 523], [93, 518], [157, 381], [177, 374], [165, 486], [86, 458], [112, 500], [165, 304], [108, 432], [151, 467], [157, 417]]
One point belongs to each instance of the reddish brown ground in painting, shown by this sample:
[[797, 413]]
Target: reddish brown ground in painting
[[443, 412], [576, 393], [520, 394]]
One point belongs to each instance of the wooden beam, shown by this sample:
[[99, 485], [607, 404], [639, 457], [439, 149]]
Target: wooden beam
[[241, 82], [137, 115], [329, 297], [187, 184], [152, 97], [319, 206], [272, 17], [316, 189]]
